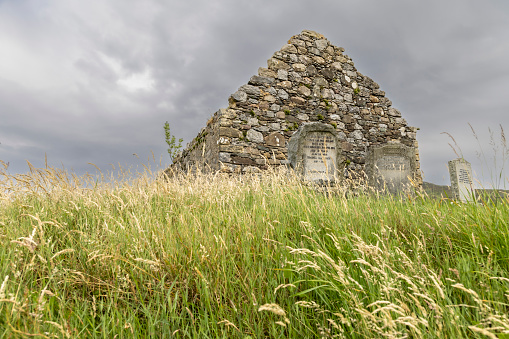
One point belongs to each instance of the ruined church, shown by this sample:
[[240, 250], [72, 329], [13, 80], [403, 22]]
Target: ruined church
[[308, 80]]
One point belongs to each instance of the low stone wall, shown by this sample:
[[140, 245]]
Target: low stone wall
[[308, 80]]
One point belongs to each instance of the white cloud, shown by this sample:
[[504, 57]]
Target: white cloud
[[137, 81], [129, 80]]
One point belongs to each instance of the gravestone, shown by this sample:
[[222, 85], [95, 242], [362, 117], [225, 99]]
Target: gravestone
[[315, 153], [460, 172], [391, 167]]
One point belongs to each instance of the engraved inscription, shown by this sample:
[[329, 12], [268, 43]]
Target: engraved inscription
[[314, 152], [319, 150], [463, 177], [393, 169], [396, 151]]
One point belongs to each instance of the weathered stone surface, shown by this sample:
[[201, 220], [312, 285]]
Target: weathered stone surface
[[275, 108], [254, 136], [242, 160], [230, 132], [460, 172], [251, 90], [314, 152], [303, 90], [276, 64], [264, 72], [391, 167], [311, 70], [289, 49], [394, 112], [252, 121], [224, 157], [298, 100], [231, 148], [264, 105], [321, 82], [337, 66], [295, 77], [302, 116], [348, 147], [304, 59], [269, 98], [319, 60], [285, 84], [282, 94], [312, 34], [302, 50], [356, 135], [315, 51], [374, 99], [276, 126], [239, 96], [329, 73], [299, 67], [252, 151], [282, 74], [275, 139], [258, 80], [348, 119], [321, 44], [297, 42]]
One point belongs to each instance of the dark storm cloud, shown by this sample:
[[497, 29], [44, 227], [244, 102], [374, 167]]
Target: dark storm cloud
[[94, 82]]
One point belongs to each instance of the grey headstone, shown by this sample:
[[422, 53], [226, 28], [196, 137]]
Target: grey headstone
[[314, 151], [460, 172], [391, 167]]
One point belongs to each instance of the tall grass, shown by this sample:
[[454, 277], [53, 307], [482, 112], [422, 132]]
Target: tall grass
[[212, 256]]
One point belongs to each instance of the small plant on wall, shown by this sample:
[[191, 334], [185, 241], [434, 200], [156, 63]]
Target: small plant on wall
[[173, 145]]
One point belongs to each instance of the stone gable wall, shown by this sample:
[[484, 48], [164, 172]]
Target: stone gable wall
[[308, 80]]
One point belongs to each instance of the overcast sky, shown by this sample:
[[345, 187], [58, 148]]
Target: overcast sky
[[94, 81]]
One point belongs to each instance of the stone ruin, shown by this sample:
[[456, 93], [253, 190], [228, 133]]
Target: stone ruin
[[308, 80]]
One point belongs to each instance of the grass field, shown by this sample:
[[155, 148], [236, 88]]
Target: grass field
[[245, 257]]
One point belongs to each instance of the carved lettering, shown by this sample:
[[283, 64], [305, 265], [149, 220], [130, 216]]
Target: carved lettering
[[461, 179], [319, 156], [391, 167]]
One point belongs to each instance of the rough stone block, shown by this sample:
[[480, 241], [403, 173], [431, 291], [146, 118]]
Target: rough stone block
[[254, 136], [265, 72], [229, 132], [258, 80], [275, 139]]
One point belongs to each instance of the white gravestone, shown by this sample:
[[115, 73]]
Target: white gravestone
[[460, 172], [391, 167], [314, 151]]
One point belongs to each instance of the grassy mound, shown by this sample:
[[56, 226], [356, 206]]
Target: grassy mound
[[245, 257]]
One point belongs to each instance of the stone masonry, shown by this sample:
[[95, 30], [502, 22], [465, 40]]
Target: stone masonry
[[308, 80]]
